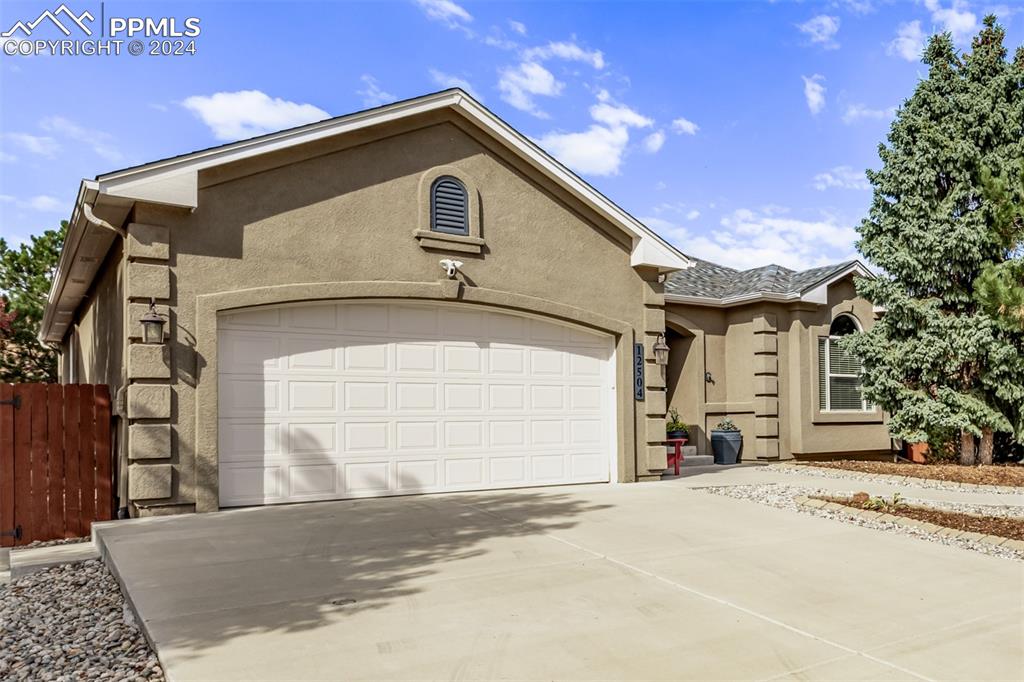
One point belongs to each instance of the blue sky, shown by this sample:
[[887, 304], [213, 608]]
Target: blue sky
[[738, 130]]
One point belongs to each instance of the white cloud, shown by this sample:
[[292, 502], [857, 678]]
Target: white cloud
[[619, 116], [373, 95], [45, 203], [814, 91], [909, 41], [859, 6], [821, 30], [567, 51], [101, 143], [859, 112], [693, 215], [654, 142], [500, 42], [246, 113], [7, 158], [956, 19], [517, 26], [842, 177], [521, 83], [445, 11], [747, 239], [157, 106], [660, 185], [599, 149], [447, 80], [41, 202], [684, 127], [595, 151], [35, 144]]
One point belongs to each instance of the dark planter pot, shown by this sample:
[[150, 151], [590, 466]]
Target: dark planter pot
[[726, 446], [672, 435]]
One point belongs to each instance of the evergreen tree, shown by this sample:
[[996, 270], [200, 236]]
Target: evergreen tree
[[1000, 287], [25, 277], [942, 366]]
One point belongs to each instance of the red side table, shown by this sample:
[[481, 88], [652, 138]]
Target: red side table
[[676, 457]]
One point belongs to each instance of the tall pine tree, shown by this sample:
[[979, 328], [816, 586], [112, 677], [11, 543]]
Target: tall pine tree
[[943, 367]]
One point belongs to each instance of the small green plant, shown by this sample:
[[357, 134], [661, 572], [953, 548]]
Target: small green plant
[[881, 504], [674, 423], [726, 425]]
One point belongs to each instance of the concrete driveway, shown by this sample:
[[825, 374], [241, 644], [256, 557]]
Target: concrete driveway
[[647, 581]]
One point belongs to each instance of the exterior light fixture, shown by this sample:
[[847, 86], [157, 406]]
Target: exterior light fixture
[[152, 325], [661, 351]]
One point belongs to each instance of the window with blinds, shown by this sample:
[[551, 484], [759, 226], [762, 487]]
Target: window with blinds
[[839, 373], [449, 206]]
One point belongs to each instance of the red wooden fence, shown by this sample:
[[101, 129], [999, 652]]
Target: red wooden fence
[[55, 461]]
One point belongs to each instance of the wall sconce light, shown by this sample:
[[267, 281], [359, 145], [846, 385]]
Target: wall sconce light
[[708, 379], [152, 325], [661, 351]]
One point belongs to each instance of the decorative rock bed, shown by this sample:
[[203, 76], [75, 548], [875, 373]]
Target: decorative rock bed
[[797, 499], [71, 623]]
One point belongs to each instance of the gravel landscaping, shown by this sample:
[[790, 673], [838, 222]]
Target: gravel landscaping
[[785, 497], [1011, 475], [901, 476], [71, 623], [986, 524]]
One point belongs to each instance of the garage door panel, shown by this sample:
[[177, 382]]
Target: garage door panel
[[416, 397], [312, 354], [366, 357], [366, 436], [366, 395], [361, 400], [306, 396], [463, 397], [245, 352], [467, 473], [415, 320], [367, 477], [462, 359], [418, 435], [418, 475], [318, 480], [312, 438], [416, 357], [312, 317]]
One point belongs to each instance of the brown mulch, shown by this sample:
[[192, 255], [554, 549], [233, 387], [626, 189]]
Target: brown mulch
[[1004, 527], [990, 474]]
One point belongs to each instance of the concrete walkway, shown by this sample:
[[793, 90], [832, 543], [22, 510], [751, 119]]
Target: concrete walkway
[[645, 581], [703, 477]]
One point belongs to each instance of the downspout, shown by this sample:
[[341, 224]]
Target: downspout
[[99, 222], [121, 463]]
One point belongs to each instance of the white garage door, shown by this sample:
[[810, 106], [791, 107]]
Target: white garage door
[[348, 400]]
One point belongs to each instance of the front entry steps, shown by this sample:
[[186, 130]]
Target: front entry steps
[[690, 459]]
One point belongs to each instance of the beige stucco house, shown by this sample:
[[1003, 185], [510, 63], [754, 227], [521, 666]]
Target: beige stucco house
[[415, 299]]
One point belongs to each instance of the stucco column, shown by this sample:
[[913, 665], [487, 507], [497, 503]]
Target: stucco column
[[652, 415], [150, 395], [766, 387]]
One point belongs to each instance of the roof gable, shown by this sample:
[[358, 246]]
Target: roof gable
[[174, 181]]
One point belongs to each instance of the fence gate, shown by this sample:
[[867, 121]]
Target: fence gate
[[55, 461]]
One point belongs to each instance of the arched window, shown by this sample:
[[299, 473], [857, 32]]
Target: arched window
[[839, 373], [449, 206]]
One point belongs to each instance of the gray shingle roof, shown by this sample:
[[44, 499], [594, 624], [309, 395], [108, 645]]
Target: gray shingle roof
[[710, 280]]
